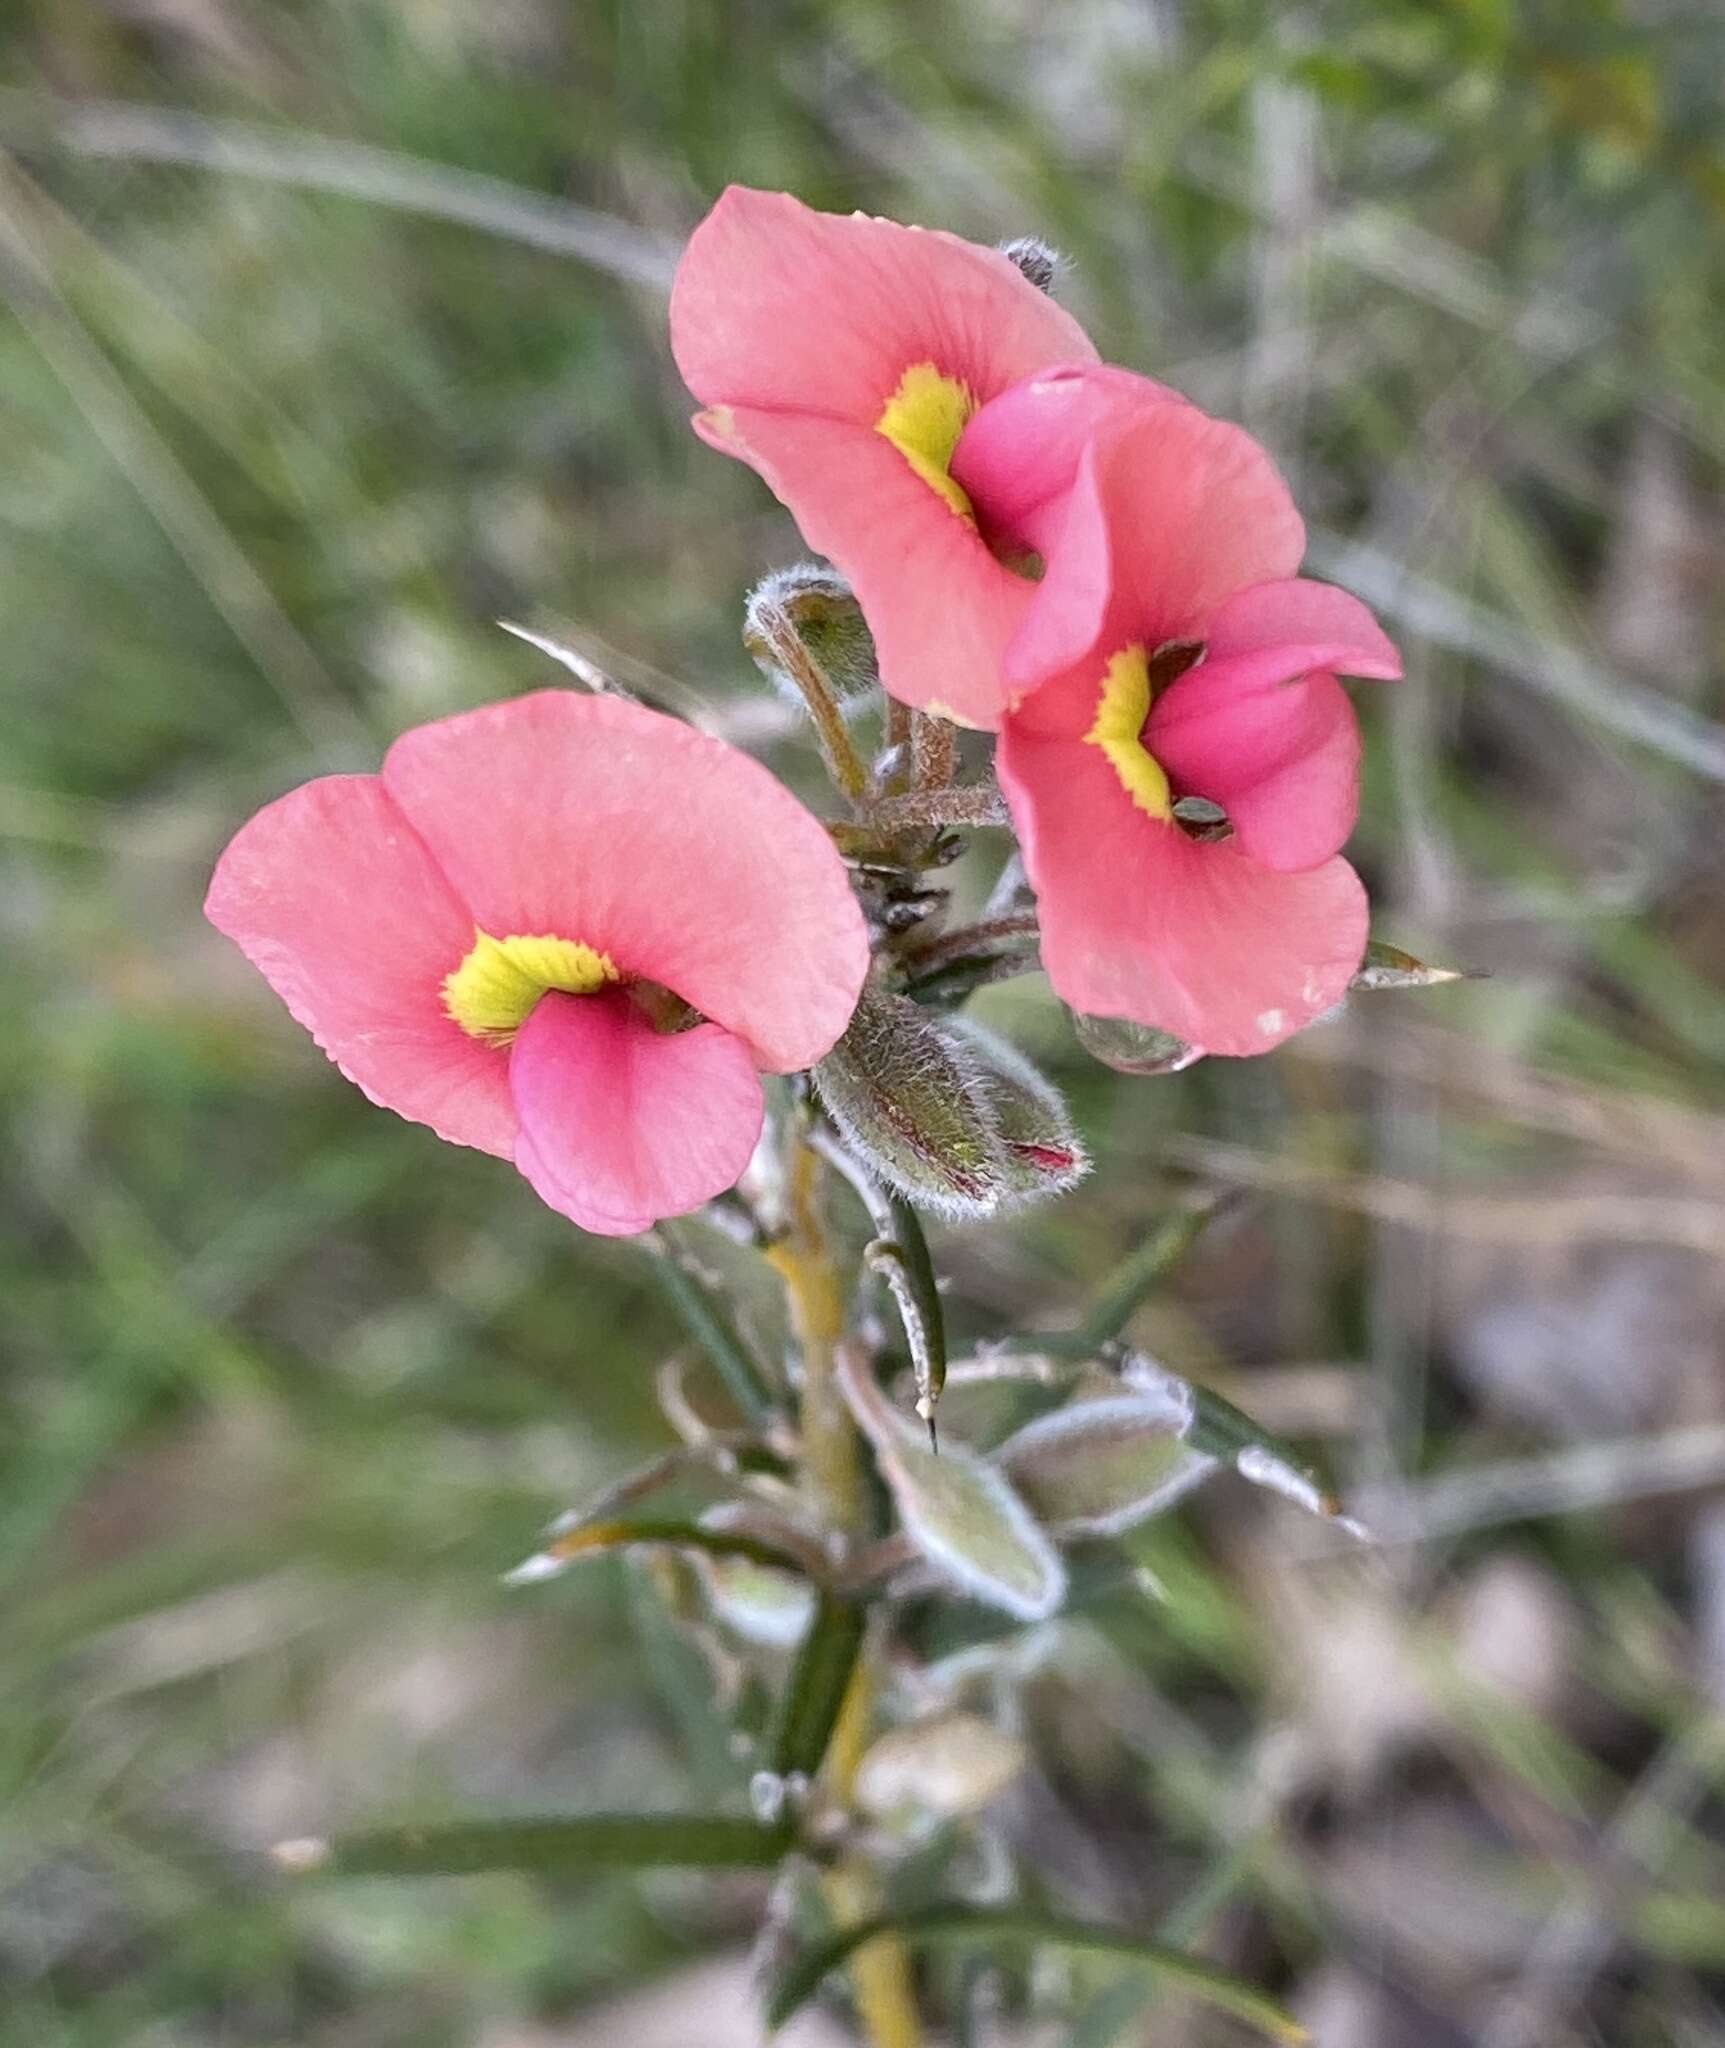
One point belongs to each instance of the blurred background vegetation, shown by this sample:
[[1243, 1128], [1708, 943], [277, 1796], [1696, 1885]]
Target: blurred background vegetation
[[332, 333]]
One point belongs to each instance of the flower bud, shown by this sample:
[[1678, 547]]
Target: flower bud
[[1041, 1152], [911, 1104], [1041, 264], [825, 617], [1133, 1048]]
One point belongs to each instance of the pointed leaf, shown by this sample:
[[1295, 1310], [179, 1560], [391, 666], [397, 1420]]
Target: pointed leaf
[[961, 1513], [1227, 1434], [580, 1842], [1097, 1468], [817, 1686], [971, 1924], [589, 1539], [711, 1328], [1389, 967]]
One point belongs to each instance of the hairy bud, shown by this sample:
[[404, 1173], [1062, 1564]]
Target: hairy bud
[[1041, 264], [945, 1113], [910, 1104], [825, 617], [1041, 1151]]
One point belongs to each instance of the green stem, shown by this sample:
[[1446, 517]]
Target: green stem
[[793, 659]]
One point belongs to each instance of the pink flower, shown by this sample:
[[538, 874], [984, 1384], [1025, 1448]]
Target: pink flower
[[481, 937], [1170, 653], [841, 358]]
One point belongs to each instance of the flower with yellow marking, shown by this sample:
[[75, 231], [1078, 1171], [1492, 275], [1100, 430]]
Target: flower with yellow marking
[[1119, 727], [923, 420], [491, 994]]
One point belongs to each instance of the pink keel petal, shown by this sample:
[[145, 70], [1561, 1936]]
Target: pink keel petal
[[622, 1126], [596, 820], [335, 900], [1140, 921], [783, 308], [941, 608], [1283, 762]]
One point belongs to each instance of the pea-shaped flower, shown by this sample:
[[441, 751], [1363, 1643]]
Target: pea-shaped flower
[[841, 358], [565, 930], [1172, 653]]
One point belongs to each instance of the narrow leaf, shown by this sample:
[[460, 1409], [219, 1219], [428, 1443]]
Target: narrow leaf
[[1098, 1468], [581, 1842], [1226, 1433], [1389, 967], [816, 1689], [964, 1924], [961, 1514], [589, 1539], [711, 1328], [919, 1310], [1136, 1275]]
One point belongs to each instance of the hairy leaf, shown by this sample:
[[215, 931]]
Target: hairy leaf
[[962, 1514]]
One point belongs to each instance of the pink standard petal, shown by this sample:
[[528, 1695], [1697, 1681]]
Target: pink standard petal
[[1170, 510], [592, 819], [622, 1125], [779, 307], [941, 608], [333, 897], [1140, 921], [1280, 629]]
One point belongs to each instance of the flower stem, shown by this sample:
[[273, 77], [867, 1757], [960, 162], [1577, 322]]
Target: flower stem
[[793, 659], [934, 751], [880, 1973], [804, 1261]]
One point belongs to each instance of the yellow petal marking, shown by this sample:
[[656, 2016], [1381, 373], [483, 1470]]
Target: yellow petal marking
[[490, 994], [923, 420], [1120, 714]]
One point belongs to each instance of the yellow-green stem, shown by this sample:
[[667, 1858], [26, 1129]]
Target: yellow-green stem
[[880, 1973]]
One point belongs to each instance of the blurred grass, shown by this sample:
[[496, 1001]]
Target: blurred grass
[[287, 1385]]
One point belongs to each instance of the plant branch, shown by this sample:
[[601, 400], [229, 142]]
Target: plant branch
[[881, 1977], [972, 803], [793, 660]]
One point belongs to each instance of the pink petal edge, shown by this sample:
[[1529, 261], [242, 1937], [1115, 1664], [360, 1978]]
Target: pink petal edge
[[621, 1125], [684, 860], [333, 897]]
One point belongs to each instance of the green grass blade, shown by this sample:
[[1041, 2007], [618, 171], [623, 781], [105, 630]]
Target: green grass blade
[[569, 1846], [1200, 1980]]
